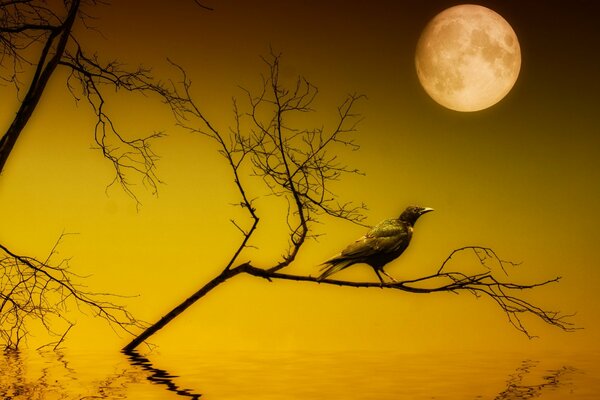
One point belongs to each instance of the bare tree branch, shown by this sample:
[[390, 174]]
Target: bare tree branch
[[293, 163], [37, 38], [299, 164], [128, 156], [504, 294], [43, 291], [35, 27], [54, 43]]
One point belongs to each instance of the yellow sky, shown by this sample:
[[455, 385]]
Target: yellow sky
[[520, 177]]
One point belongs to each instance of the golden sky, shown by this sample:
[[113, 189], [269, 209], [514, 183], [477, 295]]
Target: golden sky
[[520, 177]]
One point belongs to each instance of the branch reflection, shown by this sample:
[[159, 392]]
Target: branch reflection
[[517, 389], [159, 376], [52, 377], [55, 374], [49, 374]]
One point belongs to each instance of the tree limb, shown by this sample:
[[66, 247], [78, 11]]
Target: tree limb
[[44, 291], [299, 164], [47, 63]]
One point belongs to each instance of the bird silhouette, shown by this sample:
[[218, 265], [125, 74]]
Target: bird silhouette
[[382, 244]]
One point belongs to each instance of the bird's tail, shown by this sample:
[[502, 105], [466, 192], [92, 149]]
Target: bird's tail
[[332, 266]]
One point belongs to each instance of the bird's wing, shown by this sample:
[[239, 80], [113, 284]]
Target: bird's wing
[[368, 246], [383, 238], [363, 246], [355, 250], [388, 227]]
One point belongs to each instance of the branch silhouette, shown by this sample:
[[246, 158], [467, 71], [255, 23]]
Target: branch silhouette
[[479, 284], [300, 164], [37, 39], [44, 291]]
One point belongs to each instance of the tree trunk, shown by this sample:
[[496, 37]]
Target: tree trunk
[[44, 71]]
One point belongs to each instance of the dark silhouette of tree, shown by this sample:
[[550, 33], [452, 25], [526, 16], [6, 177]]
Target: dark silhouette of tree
[[300, 164], [42, 291], [38, 38], [297, 164]]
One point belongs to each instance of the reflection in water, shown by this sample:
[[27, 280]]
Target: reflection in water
[[517, 386], [17, 386], [16, 383], [517, 389], [59, 375], [48, 374], [51, 376], [159, 376]]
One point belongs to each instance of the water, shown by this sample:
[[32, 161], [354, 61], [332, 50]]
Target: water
[[299, 375]]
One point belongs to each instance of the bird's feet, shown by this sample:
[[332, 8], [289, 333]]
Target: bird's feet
[[390, 277], [384, 283]]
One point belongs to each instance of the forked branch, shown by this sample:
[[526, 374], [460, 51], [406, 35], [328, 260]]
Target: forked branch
[[507, 295], [300, 163]]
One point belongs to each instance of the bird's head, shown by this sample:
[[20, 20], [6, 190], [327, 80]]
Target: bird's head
[[412, 213]]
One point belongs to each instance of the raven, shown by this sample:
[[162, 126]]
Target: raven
[[382, 244]]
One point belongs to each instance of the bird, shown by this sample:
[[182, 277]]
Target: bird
[[385, 242]]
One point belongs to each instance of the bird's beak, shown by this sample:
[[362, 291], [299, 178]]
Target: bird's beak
[[426, 210]]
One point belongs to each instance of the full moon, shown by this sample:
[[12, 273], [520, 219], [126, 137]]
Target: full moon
[[468, 58]]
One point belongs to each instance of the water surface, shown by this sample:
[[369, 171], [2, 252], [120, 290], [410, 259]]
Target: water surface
[[68, 374]]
